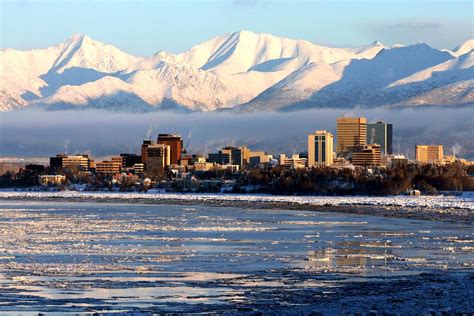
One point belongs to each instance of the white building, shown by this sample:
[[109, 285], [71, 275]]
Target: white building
[[320, 149]]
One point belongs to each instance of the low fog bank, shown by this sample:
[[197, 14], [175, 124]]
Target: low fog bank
[[32, 133]]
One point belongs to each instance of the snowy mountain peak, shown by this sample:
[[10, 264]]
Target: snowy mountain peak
[[80, 51], [75, 39], [230, 70], [464, 48]]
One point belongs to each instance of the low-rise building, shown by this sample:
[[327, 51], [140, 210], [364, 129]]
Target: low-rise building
[[81, 162], [129, 160], [203, 166], [73, 162], [221, 157], [394, 161], [229, 167], [368, 155], [257, 158], [51, 179], [293, 162], [108, 167], [138, 168], [429, 153]]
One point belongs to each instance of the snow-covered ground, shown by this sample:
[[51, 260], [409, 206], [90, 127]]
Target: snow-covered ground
[[465, 201]]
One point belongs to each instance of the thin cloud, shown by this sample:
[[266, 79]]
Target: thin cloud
[[33, 134]]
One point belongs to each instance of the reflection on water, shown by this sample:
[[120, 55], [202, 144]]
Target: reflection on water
[[96, 256], [352, 253]]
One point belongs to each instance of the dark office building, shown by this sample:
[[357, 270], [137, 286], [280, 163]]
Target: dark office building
[[380, 133], [56, 163], [220, 158], [128, 160], [37, 169]]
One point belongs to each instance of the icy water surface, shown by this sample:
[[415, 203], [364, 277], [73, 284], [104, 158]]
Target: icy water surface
[[97, 257]]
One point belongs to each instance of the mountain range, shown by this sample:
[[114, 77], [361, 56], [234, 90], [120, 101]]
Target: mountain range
[[240, 71]]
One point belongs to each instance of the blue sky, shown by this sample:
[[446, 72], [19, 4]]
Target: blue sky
[[144, 27]]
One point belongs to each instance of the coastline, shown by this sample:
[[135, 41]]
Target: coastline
[[432, 208]]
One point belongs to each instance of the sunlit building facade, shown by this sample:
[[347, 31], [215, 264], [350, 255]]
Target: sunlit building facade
[[108, 167], [175, 142], [81, 162], [429, 153], [368, 155], [320, 149], [158, 158], [351, 133]]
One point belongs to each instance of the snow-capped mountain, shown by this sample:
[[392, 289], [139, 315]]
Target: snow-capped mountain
[[366, 82], [241, 70]]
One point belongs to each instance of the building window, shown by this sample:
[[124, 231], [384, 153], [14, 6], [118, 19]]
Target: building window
[[323, 150], [316, 150]]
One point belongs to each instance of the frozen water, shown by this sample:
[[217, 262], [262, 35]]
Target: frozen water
[[88, 256]]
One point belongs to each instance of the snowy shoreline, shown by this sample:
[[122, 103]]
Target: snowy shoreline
[[437, 208]]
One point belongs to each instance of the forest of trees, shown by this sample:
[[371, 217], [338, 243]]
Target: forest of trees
[[428, 178]]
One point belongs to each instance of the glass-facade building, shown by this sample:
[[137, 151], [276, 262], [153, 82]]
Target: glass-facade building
[[380, 133]]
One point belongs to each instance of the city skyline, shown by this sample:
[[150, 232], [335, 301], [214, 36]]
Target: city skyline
[[251, 157], [354, 145]]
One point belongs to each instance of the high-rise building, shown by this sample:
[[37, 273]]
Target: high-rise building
[[351, 133], [380, 133], [368, 155], [175, 142], [157, 159], [145, 145], [429, 153], [320, 149]]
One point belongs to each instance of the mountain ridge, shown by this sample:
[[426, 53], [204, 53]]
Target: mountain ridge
[[242, 71]]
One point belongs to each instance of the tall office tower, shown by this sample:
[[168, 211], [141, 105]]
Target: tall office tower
[[380, 133], [320, 149], [351, 133], [176, 145], [368, 155], [157, 159], [429, 153], [145, 145]]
